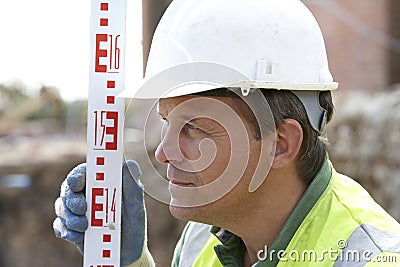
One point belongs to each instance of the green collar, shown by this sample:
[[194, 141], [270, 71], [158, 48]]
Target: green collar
[[230, 252]]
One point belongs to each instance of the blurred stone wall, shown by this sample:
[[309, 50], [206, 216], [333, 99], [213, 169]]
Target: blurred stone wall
[[359, 41], [365, 144]]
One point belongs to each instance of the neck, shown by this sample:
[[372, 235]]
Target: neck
[[270, 207]]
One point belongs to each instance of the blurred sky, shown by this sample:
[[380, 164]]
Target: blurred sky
[[46, 42]]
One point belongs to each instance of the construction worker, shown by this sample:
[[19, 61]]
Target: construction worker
[[244, 91]]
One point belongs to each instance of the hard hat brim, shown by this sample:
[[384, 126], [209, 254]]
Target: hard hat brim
[[147, 91]]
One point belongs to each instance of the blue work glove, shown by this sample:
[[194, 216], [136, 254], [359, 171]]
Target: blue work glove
[[71, 222]]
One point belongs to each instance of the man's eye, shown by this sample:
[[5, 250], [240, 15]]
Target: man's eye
[[191, 126]]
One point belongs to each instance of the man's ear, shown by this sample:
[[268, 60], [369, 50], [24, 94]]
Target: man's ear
[[289, 137]]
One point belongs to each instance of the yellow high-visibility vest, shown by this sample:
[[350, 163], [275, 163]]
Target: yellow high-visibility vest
[[344, 227]]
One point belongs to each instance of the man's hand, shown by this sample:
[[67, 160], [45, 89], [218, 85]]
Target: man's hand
[[71, 222], [70, 208]]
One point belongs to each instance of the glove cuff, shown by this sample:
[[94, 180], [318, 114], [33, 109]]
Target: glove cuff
[[145, 260]]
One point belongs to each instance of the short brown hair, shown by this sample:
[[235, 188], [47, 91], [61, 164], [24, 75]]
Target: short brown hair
[[284, 105]]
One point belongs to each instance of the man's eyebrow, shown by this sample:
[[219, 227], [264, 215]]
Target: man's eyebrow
[[182, 117], [190, 119]]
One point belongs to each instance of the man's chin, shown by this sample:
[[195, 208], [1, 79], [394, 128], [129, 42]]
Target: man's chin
[[182, 213], [196, 214]]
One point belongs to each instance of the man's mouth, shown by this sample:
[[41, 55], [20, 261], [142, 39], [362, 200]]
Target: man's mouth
[[176, 182]]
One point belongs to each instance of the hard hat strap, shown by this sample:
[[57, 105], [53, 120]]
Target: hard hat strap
[[317, 115]]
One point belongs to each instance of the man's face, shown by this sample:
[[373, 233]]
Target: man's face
[[211, 153]]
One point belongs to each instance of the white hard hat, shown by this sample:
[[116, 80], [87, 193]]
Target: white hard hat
[[267, 44]]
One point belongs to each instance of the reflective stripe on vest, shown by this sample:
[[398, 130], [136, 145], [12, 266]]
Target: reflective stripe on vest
[[365, 243], [195, 237], [334, 224]]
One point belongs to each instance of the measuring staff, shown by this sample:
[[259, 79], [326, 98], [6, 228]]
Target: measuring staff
[[104, 138], [301, 204]]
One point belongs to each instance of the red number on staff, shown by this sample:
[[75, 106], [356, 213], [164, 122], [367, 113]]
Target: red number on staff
[[113, 53], [99, 126], [96, 207], [113, 208], [101, 130]]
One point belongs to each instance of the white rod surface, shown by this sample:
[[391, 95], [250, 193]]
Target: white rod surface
[[104, 133]]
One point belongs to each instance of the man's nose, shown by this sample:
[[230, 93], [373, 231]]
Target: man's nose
[[168, 151], [160, 154]]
